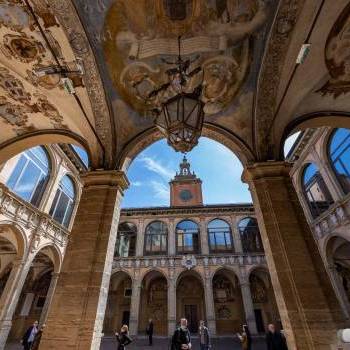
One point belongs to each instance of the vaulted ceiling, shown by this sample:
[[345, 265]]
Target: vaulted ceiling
[[115, 53]]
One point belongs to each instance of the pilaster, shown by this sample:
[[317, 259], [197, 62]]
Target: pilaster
[[135, 307], [308, 307], [209, 303], [204, 237], [77, 311]]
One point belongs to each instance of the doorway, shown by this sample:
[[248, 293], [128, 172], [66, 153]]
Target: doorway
[[259, 321], [191, 314]]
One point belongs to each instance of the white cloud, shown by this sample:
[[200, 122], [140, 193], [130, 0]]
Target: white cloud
[[136, 183], [160, 189], [157, 167]]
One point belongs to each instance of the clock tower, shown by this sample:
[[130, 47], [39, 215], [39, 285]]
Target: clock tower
[[186, 187]]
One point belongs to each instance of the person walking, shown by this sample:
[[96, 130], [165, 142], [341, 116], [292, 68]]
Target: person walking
[[149, 331], [204, 337], [244, 338], [123, 338], [275, 340], [181, 339], [37, 339], [29, 336]]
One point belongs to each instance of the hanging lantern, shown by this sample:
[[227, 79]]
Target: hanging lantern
[[180, 116], [181, 120]]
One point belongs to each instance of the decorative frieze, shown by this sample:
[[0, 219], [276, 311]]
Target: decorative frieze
[[192, 261], [336, 216], [22, 213]]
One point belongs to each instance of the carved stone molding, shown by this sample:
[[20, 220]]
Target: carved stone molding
[[271, 70], [68, 17]]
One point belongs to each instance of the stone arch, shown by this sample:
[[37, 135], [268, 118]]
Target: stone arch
[[118, 302], [54, 254], [263, 298], [190, 298], [232, 141], [336, 254], [228, 301], [21, 143], [154, 301], [155, 270], [16, 235], [333, 119]]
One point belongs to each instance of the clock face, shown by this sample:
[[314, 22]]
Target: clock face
[[185, 195]]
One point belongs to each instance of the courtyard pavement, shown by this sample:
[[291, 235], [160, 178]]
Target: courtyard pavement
[[221, 343]]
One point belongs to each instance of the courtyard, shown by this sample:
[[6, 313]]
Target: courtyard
[[221, 343]]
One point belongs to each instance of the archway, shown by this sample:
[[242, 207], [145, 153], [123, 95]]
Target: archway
[[263, 298], [337, 253], [154, 303], [228, 303], [118, 302], [33, 303], [190, 301]]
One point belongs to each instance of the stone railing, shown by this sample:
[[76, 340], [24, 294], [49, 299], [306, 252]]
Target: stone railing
[[335, 216], [17, 210], [190, 261]]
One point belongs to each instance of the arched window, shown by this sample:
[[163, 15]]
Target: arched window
[[339, 154], [156, 238], [30, 175], [63, 203], [250, 236], [126, 240], [220, 237], [315, 190], [187, 237]]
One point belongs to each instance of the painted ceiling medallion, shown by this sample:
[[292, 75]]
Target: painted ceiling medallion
[[337, 56], [141, 36]]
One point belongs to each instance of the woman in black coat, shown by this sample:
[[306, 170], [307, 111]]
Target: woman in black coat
[[123, 338]]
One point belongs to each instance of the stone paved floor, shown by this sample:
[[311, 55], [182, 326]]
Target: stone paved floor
[[222, 343]]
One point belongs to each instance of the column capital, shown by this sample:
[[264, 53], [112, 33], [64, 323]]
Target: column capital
[[112, 178], [266, 169]]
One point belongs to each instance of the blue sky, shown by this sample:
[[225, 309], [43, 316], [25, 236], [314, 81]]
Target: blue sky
[[151, 171], [220, 170]]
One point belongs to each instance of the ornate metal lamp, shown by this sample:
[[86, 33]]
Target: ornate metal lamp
[[180, 117]]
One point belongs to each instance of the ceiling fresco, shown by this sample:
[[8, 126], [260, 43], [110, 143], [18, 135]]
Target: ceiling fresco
[[30, 99], [141, 42], [122, 50]]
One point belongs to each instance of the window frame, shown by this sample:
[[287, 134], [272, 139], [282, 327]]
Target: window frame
[[338, 158], [241, 234], [57, 198], [31, 158], [162, 233], [132, 233], [316, 210], [220, 230], [194, 250]]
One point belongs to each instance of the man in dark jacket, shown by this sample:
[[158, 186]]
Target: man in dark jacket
[[275, 340], [149, 331], [181, 339], [29, 336]]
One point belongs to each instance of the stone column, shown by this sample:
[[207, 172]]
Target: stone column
[[77, 311], [171, 238], [204, 237], [49, 297], [171, 306], [140, 238], [237, 242], [10, 296], [339, 289], [209, 304], [135, 307], [248, 305], [308, 307]]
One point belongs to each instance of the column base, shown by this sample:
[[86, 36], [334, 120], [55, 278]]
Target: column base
[[171, 326], [133, 327], [5, 327]]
